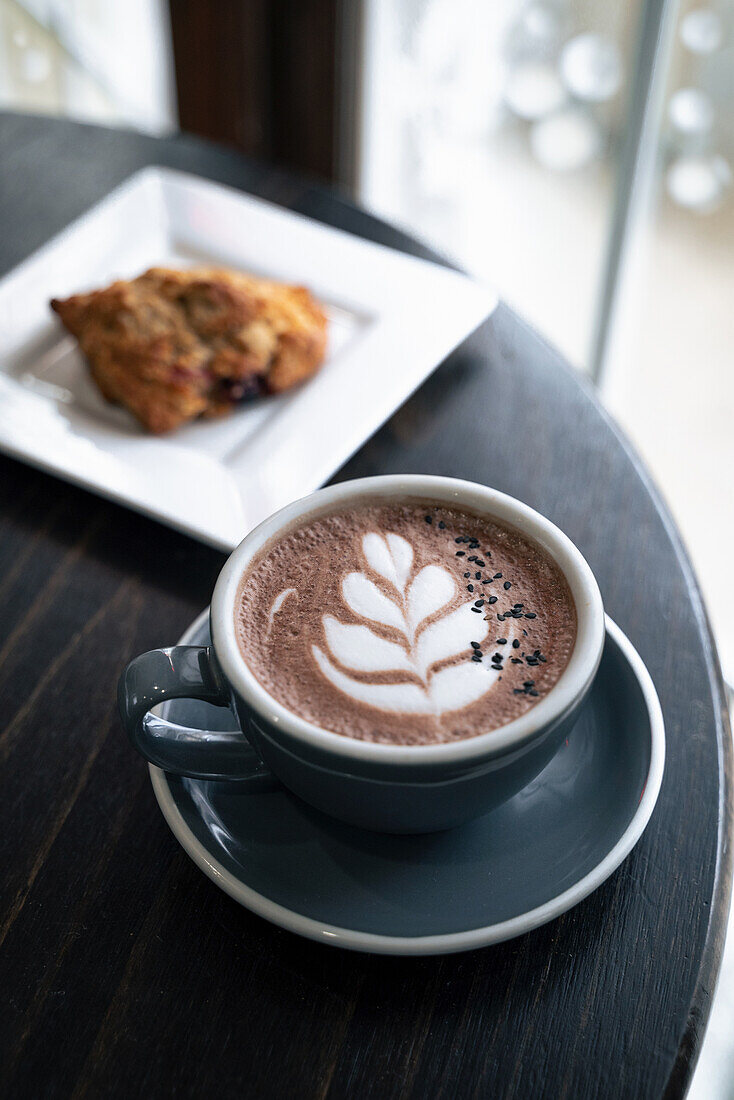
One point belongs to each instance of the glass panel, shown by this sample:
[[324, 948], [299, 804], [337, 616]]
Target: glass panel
[[88, 59], [490, 129]]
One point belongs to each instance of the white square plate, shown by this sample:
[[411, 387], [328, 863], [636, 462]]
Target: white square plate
[[392, 320]]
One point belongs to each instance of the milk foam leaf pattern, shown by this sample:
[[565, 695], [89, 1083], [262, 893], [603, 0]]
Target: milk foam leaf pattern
[[420, 684], [457, 686], [364, 598], [361, 650], [449, 636], [430, 591], [403, 698], [391, 557]]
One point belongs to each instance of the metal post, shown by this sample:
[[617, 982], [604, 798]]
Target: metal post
[[637, 159]]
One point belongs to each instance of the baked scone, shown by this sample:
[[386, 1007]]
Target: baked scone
[[174, 345]]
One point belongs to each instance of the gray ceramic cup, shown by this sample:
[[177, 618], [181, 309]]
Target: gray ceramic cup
[[389, 788]]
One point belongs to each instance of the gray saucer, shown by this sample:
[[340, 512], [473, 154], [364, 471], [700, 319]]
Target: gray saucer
[[497, 877]]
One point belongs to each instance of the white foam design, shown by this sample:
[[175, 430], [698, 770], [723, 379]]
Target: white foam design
[[447, 637], [430, 591], [278, 603], [390, 556], [405, 698], [425, 644], [364, 598], [362, 650]]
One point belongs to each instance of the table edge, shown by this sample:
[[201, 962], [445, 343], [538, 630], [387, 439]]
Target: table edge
[[689, 1045]]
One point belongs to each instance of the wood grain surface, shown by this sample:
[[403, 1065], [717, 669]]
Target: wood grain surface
[[123, 971]]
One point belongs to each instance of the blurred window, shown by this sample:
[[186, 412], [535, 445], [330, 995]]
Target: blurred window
[[95, 60]]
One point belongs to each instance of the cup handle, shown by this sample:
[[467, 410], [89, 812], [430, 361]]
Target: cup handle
[[185, 672]]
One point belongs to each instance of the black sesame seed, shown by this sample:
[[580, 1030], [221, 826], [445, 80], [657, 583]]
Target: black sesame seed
[[475, 645], [502, 641], [517, 691], [516, 644], [492, 599], [460, 553], [429, 519], [477, 657], [515, 660], [477, 576], [532, 693], [477, 609], [442, 525], [470, 588], [479, 603], [481, 563], [497, 576], [518, 605], [472, 558], [532, 661], [530, 615], [500, 618], [458, 539], [541, 658], [507, 585], [528, 683], [467, 574]]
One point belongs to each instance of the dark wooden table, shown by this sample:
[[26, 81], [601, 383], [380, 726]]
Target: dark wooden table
[[123, 971]]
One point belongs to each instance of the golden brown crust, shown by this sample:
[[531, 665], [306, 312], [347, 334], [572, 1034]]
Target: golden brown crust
[[174, 345]]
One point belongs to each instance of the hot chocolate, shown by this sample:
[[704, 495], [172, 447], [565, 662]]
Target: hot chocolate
[[406, 622]]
